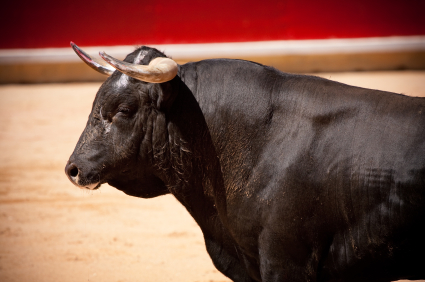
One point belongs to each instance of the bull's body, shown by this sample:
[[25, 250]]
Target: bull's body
[[290, 177]]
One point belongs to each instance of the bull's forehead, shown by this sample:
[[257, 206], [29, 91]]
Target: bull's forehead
[[137, 56], [109, 95], [121, 84], [115, 93], [123, 80], [141, 54]]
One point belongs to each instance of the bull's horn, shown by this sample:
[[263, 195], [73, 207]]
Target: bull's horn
[[159, 69], [97, 65]]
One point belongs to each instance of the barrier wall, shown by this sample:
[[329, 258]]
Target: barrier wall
[[29, 27]]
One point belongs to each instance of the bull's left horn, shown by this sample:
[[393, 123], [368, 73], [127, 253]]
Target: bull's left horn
[[159, 69]]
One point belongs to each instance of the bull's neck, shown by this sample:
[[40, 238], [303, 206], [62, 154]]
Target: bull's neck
[[193, 174]]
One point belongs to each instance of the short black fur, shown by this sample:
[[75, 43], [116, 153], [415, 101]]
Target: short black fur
[[290, 177]]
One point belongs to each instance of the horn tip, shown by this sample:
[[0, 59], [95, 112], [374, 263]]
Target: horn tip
[[104, 56]]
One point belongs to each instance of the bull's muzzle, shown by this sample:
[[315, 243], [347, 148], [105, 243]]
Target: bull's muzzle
[[72, 171]]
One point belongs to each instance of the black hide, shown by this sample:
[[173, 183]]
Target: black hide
[[290, 177]]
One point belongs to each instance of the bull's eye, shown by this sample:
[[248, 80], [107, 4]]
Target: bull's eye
[[124, 110]]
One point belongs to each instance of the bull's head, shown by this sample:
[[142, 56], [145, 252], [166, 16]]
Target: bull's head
[[125, 124]]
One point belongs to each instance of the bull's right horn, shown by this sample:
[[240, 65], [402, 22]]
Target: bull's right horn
[[159, 69], [97, 65]]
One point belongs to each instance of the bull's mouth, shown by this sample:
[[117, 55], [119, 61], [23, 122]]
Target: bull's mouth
[[93, 186], [77, 182]]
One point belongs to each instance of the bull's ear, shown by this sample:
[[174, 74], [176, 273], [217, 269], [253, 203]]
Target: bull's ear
[[167, 94]]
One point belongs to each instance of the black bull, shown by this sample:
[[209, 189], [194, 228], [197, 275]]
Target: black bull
[[290, 177]]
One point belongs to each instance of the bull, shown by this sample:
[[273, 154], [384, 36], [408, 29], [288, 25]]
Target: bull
[[290, 177]]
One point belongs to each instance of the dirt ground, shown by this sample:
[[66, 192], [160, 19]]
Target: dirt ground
[[52, 231]]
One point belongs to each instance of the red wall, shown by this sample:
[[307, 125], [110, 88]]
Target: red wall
[[54, 23]]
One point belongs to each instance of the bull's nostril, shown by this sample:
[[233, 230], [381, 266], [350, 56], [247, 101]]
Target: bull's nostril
[[73, 172]]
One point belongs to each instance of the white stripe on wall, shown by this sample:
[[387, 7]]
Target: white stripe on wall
[[228, 50]]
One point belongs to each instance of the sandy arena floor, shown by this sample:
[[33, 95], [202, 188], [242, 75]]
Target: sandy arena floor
[[51, 231]]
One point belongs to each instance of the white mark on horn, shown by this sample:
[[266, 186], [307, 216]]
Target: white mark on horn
[[106, 124]]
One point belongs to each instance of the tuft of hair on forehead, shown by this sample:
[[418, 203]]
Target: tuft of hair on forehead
[[142, 55]]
